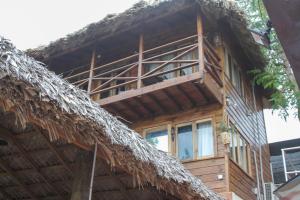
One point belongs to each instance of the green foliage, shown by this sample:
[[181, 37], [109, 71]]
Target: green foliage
[[275, 77]]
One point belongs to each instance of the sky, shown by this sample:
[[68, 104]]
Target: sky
[[30, 23]]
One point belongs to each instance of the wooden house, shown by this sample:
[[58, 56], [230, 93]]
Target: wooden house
[[177, 73], [57, 144]]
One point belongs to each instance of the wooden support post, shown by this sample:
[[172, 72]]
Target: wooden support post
[[140, 63], [200, 44], [91, 75], [82, 176]]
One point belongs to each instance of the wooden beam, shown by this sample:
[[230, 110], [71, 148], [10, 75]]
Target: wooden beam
[[8, 135], [11, 173], [144, 106], [198, 88], [200, 44], [46, 168], [91, 74], [58, 154], [103, 178], [188, 97], [150, 89], [213, 88], [140, 64], [156, 101], [173, 99], [132, 108]]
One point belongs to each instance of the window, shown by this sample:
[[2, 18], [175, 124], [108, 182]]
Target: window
[[239, 149], [195, 140], [185, 142], [234, 73], [205, 139], [159, 138], [189, 141]]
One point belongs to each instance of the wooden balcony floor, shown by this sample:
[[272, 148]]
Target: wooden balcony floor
[[167, 97]]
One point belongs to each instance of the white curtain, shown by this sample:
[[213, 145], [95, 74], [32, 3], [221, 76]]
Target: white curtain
[[205, 139]]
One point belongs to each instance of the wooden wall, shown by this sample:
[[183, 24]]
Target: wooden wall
[[250, 123], [240, 182], [206, 169], [241, 112]]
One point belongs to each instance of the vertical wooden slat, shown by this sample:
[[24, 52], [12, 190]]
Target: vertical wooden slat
[[93, 62], [200, 44], [140, 66]]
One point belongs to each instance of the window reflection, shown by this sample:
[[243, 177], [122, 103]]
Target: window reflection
[[185, 142], [159, 139]]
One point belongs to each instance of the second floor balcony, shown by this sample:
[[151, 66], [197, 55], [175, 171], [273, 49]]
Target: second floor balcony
[[165, 79]]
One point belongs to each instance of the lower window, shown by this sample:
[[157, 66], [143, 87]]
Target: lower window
[[239, 149], [195, 140], [159, 138]]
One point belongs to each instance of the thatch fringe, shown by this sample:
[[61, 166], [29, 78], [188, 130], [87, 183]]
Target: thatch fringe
[[144, 11]]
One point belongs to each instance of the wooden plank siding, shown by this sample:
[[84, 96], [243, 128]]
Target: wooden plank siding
[[241, 112], [240, 182], [206, 169]]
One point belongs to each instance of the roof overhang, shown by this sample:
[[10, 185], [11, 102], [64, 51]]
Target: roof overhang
[[285, 17], [290, 189]]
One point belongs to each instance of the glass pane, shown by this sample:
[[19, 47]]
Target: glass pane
[[205, 139], [242, 151], [189, 70], [232, 145], [235, 142], [185, 143], [167, 67], [159, 139]]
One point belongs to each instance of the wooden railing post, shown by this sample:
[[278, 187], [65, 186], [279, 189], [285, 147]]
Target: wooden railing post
[[200, 44], [93, 62], [140, 64]]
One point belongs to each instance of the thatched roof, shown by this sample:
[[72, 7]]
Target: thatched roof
[[218, 11], [38, 96]]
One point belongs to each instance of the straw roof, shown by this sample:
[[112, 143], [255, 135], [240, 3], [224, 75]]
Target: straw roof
[[38, 96], [142, 13]]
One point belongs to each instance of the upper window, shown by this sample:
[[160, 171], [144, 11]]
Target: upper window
[[239, 149], [159, 138], [195, 140], [234, 73]]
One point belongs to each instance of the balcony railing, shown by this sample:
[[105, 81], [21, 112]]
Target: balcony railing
[[147, 67]]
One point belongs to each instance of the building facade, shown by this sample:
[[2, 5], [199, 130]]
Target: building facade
[[177, 73]]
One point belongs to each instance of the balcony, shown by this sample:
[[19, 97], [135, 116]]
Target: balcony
[[169, 78]]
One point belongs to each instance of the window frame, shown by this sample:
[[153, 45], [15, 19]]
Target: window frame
[[232, 70], [158, 128], [246, 167], [195, 138]]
